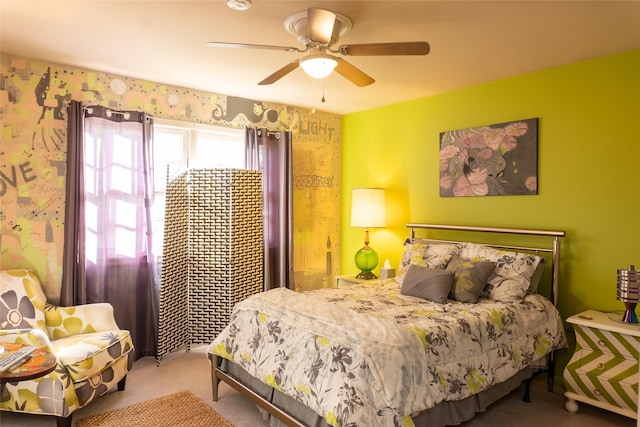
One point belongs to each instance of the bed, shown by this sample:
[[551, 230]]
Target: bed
[[462, 325]]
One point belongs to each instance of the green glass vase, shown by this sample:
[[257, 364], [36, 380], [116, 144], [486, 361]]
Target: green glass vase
[[366, 260]]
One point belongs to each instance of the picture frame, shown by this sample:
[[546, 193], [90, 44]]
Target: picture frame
[[492, 160]]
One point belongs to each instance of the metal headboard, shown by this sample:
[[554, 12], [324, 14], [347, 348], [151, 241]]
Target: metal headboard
[[554, 248]]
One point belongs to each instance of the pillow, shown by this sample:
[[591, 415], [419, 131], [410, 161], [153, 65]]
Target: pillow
[[427, 283], [536, 277], [432, 255], [512, 276], [470, 278]]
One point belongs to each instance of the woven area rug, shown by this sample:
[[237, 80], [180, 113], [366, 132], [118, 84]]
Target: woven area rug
[[179, 409]]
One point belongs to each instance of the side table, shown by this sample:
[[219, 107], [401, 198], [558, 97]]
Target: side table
[[40, 363], [603, 370]]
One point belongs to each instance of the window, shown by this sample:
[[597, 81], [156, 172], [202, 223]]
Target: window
[[185, 145], [114, 196]]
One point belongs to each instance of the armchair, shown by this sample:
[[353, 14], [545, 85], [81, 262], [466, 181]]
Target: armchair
[[94, 355]]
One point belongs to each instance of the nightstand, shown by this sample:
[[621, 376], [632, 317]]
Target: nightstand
[[347, 280], [603, 370]]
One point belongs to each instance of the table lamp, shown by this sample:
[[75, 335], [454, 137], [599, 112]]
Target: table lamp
[[367, 211], [628, 293]]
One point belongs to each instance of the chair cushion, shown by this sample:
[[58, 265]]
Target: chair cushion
[[89, 354], [22, 300], [79, 319]]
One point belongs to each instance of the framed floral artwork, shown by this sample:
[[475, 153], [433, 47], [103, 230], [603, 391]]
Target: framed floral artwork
[[493, 160]]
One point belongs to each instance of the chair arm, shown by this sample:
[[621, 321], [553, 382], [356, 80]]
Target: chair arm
[[26, 336], [79, 319]]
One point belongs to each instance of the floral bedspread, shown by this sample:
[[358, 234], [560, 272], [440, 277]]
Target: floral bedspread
[[368, 356]]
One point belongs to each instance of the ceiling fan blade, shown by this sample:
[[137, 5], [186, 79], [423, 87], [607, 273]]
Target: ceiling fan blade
[[353, 74], [321, 24], [280, 73], [383, 49], [254, 46]]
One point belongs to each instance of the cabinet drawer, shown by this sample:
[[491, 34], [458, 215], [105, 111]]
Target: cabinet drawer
[[607, 367], [607, 342], [603, 377], [619, 393]]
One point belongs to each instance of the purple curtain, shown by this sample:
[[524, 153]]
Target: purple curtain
[[73, 290], [270, 152], [108, 257]]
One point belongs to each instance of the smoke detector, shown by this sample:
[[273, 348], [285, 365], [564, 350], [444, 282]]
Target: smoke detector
[[239, 4]]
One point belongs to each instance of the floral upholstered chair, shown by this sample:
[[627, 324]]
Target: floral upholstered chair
[[93, 354]]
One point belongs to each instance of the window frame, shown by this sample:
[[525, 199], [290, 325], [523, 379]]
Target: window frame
[[189, 133]]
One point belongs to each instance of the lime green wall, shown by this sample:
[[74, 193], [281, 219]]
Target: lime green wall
[[588, 169]]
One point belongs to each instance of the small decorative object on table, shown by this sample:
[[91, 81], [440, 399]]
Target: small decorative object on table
[[628, 293], [30, 362], [15, 358], [386, 272]]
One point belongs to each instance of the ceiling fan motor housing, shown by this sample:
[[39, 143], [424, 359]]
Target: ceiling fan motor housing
[[298, 25]]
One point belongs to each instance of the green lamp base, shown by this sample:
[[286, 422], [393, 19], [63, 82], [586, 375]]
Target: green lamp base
[[366, 260]]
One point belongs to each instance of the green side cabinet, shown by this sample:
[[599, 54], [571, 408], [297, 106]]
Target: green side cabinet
[[603, 370]]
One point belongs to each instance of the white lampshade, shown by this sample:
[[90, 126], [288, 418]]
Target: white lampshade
[[318, 65], [368, 208]]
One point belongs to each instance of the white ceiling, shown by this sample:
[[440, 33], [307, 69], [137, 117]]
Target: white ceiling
[[472, 42]]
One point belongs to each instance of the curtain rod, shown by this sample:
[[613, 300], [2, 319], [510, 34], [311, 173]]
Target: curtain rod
[[110, 112], [269, 132], [90, 109], [183, 123], [190, 123]]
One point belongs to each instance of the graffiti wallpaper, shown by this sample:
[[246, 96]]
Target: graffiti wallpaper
[[33, 98]]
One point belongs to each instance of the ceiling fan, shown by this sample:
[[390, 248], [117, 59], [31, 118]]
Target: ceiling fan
[[317, 31]]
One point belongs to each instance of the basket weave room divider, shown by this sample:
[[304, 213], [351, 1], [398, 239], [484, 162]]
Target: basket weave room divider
[[213, 252]]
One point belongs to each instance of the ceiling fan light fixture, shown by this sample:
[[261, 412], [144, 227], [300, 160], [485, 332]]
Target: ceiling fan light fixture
[[318, 65], [239, 4]]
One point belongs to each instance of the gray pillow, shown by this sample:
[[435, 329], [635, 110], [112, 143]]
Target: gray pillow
[[470, 278], [536, 277], [427, 283]]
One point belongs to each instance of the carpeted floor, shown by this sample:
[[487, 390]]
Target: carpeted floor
[[190, 371]]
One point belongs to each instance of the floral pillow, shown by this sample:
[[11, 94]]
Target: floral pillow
[[470, 278], [432, 255], [512, 275]]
